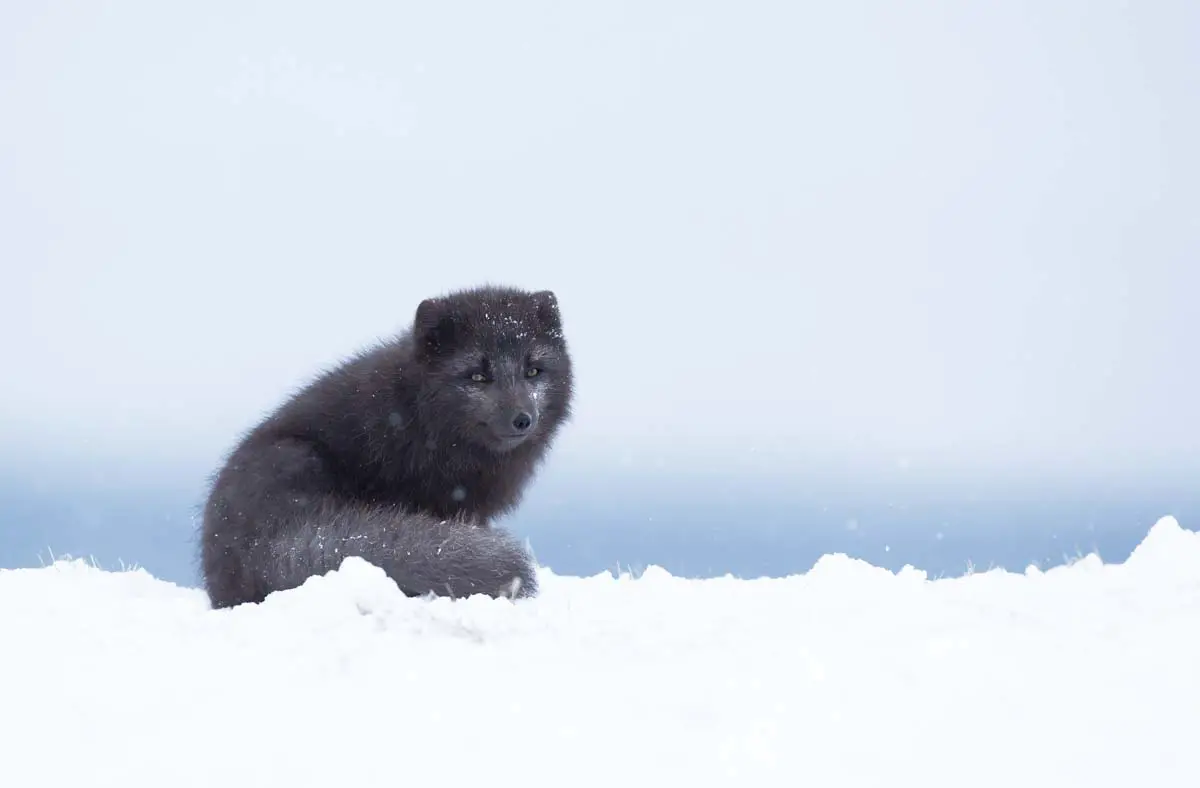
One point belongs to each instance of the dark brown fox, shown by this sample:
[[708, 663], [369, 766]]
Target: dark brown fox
[[402, 456]]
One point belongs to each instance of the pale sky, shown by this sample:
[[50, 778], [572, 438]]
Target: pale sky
[[943, 234]]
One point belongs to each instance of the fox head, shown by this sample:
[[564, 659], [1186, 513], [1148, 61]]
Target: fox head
[[494, 366]]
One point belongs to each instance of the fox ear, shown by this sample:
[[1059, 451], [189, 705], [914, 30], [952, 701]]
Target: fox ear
[[435, 328], [547, 310]]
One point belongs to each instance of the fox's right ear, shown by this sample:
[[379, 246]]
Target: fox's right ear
[[435, 329], [547, 310]]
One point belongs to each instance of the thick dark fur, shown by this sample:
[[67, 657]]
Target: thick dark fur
[[402, 456]]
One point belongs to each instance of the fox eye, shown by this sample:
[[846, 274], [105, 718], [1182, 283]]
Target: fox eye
[[478, 377], [532, 372]]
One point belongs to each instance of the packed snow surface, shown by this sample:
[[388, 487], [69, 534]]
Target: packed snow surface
[[849, 675]]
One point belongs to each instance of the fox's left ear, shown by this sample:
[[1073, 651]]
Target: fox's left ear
[[547, 310]]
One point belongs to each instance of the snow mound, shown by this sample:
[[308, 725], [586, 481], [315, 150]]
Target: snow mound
[[847, 675], [1168, 552]]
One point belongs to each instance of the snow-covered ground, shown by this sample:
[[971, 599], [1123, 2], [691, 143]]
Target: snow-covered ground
[[1084, 675]]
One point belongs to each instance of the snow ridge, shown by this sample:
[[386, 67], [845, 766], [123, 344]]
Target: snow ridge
[[848, 674]]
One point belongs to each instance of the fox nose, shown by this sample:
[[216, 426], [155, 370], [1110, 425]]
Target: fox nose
[[523, 421]]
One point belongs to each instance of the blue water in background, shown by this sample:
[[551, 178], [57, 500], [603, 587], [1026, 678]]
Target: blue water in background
[[690, 528]]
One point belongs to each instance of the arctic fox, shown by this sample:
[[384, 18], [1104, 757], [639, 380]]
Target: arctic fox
[[402, 456]]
